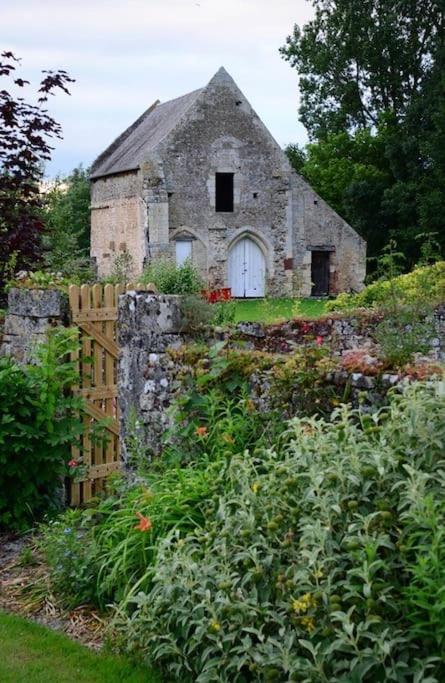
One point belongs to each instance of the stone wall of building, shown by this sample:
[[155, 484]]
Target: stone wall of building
[[118, 217], [222, 134], [30, 313], [172, 197]]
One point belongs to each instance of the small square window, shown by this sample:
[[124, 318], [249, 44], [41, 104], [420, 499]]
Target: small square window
[[224, 192]]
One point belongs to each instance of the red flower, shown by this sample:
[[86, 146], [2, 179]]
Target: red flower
[[305, 328], [319, 340], [73, 463], [145, 523]]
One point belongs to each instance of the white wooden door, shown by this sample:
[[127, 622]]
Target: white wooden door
[[183, 251], [247, 269]]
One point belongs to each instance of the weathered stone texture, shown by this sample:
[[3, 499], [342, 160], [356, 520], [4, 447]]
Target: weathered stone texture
[[117, 221], [211, 131], [31, 312], [148, 326], [148, 377]]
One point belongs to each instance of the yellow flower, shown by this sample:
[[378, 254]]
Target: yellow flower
[[308, 624], [256, 487], [318, 574], [215, 626], [303, 604]]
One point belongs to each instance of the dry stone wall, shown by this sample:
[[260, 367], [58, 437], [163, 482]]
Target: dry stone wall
[[149, 376], [30, 313]]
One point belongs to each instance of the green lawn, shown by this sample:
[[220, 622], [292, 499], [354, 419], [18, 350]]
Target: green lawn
[[274, 310], [30, 653]]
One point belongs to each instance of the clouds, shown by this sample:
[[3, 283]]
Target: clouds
[[124, 55]]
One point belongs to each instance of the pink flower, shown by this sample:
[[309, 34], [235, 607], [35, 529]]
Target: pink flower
[[73, 463], [319, 340]]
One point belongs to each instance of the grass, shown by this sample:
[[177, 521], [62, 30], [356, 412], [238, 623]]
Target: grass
[[30, 653], [275, 310]]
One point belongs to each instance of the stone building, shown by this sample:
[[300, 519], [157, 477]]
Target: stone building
[[201, 177]]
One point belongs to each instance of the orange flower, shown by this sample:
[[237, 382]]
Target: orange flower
[[201, 431], [144, 523]]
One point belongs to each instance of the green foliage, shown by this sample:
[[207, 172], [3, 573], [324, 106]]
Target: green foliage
[[37, 427], [358, 61], [224, 312], [66, 216], [102, 554], [372, 84], [423, 283], [196, 313], [122, 271], [170, 278], [311, 564], [209, 426], [403, 332]]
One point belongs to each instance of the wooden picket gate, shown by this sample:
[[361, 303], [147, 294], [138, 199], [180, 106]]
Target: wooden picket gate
[[94, 311]]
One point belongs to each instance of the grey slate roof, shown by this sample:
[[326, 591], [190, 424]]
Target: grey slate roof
[[130, 149]]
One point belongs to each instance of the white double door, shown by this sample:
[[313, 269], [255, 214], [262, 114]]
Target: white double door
[[247, 269]]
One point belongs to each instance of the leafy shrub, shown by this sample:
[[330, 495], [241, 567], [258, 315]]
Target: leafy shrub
[[321, 560], [209, 426], [224, 312], [170, 278], [37, 427], [104, 552], [196, 313], [403, 332], [423, 283]]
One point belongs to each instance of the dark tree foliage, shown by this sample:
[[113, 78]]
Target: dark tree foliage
[[66, 215], [373, 100], [26, 130], [357, 60]]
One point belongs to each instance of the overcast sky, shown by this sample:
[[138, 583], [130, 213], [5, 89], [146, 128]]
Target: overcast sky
[[125, 54]]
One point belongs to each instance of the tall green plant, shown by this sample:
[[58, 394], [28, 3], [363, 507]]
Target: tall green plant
[[170, 278], [38, 424]]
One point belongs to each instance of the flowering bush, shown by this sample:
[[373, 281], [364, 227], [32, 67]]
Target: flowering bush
[[320, 560], [426, 282]]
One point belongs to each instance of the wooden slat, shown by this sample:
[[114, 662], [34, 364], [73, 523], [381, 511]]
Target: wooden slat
[[101, 314], [112, 425], [110, 332], [101, 471], [103, 340], [104, 392], [98, 358], [85, 305]]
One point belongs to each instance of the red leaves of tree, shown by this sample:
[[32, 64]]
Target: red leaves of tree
[[26, 130]]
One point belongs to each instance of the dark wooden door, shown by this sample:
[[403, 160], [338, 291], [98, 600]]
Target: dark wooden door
[[320, 273]]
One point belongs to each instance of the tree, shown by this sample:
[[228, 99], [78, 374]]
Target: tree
[[26, 129], [357, 60], [373, 101], [66, 217]]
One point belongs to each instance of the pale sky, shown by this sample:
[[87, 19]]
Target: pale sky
[[126, 54]]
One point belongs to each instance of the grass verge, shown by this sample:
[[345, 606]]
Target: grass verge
[[275, 310], [30, 653]]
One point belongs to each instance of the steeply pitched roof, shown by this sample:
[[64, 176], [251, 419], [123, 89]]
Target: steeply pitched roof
[[130, 149]]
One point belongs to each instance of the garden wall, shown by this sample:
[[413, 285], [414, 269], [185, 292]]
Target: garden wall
[[149, 374], [30, 313]]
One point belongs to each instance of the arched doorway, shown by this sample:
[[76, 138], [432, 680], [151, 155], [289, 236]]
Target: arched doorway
[[247, 269]]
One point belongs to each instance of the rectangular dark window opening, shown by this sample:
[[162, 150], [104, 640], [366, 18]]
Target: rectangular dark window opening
[[320, 273], [224, 191]]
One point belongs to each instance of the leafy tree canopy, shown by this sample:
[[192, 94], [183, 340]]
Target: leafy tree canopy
[[373, 101], [66, 217]]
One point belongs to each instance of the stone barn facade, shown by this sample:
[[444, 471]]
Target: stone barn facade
[[201, 178]]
